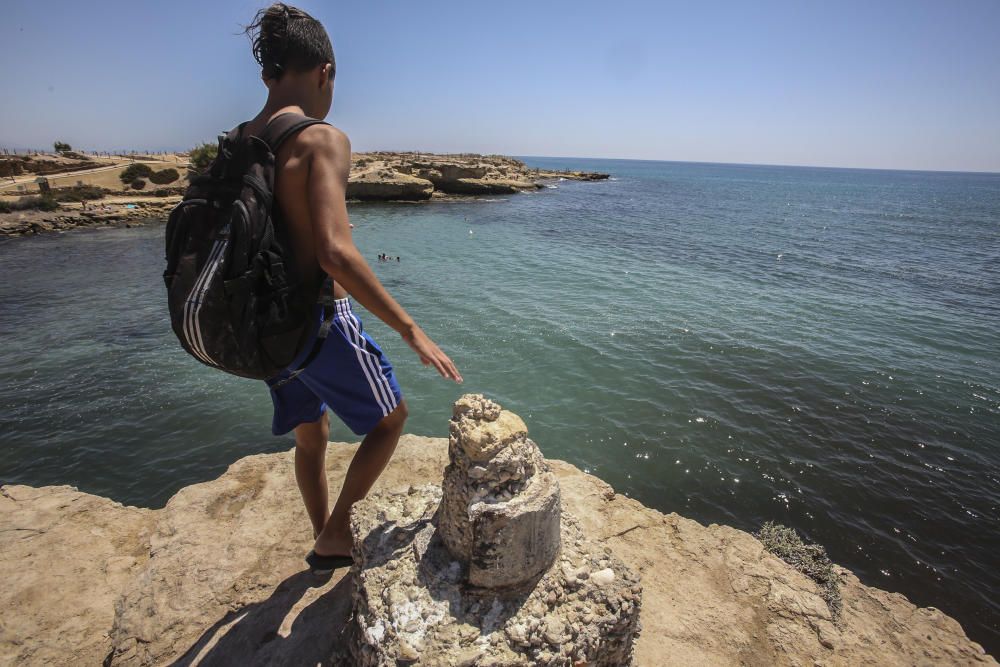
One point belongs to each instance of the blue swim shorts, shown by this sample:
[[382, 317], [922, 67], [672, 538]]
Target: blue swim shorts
[[350, 375]]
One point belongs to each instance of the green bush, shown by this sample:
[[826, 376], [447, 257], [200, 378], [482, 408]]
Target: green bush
[[79, 193], [161, 192], [30, 203], [61, 146], [202, 156], [168, 175], [138, 184], [11, 167], [134, 171], [47, 203]]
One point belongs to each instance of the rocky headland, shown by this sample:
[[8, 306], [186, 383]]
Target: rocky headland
[[378, 176], [216, 576], [391, 176]]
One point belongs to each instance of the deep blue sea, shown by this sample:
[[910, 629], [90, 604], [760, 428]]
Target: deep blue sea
[[817, 347]]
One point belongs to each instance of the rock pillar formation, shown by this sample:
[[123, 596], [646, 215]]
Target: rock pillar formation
[[485, 570], [500, 511]]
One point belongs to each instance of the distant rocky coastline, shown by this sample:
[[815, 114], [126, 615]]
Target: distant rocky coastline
[[421, 176], [378, 176]]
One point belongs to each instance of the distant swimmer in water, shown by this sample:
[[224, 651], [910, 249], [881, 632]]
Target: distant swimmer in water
[[397, 258]]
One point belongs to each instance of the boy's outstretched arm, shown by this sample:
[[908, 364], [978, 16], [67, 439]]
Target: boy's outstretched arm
[[329, 169]]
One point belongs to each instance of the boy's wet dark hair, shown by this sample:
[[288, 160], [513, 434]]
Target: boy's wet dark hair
[[286, 38]]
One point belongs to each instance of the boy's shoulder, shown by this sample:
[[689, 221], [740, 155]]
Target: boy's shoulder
[[322, 137]]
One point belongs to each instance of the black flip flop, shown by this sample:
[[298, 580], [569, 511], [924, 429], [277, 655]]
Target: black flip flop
[[325, 564]]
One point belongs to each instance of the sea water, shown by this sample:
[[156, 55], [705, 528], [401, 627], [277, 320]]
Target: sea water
[[817, 347]]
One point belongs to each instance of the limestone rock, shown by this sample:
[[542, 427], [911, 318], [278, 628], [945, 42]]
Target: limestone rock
[[412, 599], [385, 184], [500, 512], [483, 557], [65, 557], [459, 175], [73, 566], [479, 186]]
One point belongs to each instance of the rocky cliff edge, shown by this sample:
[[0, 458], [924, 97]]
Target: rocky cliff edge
[[216, 577]]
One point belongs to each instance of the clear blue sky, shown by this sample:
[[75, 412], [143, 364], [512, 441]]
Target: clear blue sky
[[908, 84]]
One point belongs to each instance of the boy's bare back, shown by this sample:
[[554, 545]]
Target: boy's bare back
[[312, 169]]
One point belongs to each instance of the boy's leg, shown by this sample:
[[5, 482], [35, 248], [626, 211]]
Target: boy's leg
[[368, 463], [310, 469]]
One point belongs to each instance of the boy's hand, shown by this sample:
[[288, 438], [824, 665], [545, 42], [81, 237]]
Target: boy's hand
[[430, 354]]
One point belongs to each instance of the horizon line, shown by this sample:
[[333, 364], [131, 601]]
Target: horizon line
[[766, 164]]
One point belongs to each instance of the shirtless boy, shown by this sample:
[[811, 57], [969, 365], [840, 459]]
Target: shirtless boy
[[350, 374]]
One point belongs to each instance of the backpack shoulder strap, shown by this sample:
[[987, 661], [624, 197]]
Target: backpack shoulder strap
[[282, 127], [236, 133]]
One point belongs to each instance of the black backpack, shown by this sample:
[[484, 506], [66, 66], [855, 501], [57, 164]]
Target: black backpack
[[236, 299]]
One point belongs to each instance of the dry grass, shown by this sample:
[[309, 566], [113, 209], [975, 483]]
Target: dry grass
[[809, 559]]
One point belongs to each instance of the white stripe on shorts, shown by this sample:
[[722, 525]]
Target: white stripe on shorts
[[376, 368], [373, 364], [341, 320]]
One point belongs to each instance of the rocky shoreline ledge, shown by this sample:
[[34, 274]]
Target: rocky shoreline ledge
[[378, 176], [110, 212], [389, 176], [216, 577]]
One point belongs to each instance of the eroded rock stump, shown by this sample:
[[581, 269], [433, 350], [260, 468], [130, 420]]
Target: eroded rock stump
[[487, 569], [500, 511]]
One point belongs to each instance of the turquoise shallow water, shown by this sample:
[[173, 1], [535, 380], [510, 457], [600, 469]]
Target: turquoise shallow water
[[735, 343]]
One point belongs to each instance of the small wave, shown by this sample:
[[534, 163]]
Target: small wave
[[552, 187]]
